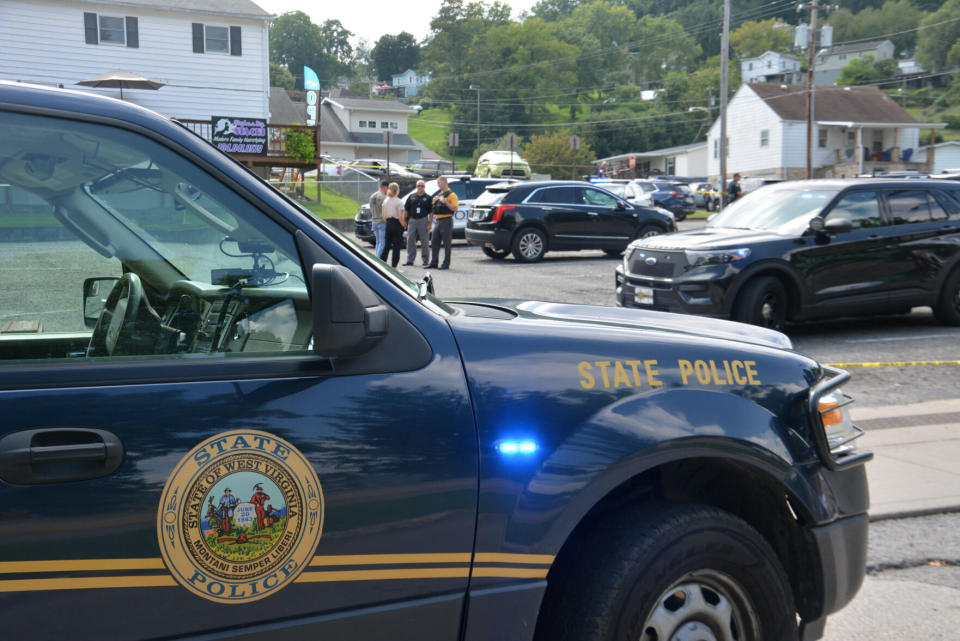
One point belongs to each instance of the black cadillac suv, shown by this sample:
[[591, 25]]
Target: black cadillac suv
[[529, 219], [808, 249]]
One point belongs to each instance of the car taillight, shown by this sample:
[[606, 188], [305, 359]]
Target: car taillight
[[498, 212], [676, 194]]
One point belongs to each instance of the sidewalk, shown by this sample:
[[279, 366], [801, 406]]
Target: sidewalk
[[916, 465]]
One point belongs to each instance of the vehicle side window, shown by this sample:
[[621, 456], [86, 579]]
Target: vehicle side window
[[475, 188], [648, 187], [908, 206], [597, 198], [124, 248], [460, 189], [559, 195], [949, 201], [861, 208]]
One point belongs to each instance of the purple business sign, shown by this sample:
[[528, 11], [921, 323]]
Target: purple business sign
[[239, 135]]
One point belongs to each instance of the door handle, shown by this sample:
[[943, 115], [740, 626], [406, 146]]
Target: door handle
[[58, 455], [592, 213]]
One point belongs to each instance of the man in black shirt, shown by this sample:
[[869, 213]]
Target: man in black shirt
[[415, 220], [733, 190]]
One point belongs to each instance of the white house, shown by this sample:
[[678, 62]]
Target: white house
[[688, 161], [771, 66], [212, 55], [830, 62], [353, 127], [856, 130], [946, 156], [408, 83]]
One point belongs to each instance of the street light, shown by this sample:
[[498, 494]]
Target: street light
[[477, 89]]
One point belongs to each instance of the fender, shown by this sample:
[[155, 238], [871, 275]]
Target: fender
[[662, 428], [586, 437], [778, 267]]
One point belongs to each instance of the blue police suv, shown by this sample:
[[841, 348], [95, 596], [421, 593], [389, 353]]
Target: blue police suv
[[221, 419]]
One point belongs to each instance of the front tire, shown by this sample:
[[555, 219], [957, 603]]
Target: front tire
[[529, 245], [668, 572], [648, 231], [947, 309], [762, 302]]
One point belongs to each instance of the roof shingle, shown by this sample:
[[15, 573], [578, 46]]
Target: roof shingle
[[854, 104]]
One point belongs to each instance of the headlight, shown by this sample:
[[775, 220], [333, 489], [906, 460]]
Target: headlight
[[839, 427], [627, 255], [833, 430], [715, 256]]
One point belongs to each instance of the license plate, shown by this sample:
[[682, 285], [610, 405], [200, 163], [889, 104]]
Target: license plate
[[643, 296]]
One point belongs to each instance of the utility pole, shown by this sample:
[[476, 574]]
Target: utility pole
[[814, 6], [724, 62], [811, 98], [477, 89]]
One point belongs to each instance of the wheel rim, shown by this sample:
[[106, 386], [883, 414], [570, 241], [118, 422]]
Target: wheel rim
[[531, 245], [706, 606], [651, 233], [770, 310]]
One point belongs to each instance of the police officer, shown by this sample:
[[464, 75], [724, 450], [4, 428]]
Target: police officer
[[415, 218], [733, 190], [444, 205]]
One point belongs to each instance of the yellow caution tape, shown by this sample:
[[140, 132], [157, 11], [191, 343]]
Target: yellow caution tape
[[893, 364]]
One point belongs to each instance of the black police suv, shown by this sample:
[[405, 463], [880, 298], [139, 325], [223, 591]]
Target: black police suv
[[530, 219], [206, 428], [808, 249]]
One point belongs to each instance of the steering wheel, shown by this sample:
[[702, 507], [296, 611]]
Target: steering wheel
[[116, 329]]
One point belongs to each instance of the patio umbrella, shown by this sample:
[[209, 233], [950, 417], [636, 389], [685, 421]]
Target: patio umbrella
[[123, 80]]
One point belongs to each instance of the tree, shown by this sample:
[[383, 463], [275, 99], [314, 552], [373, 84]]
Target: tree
[[601, 32], [295, 41], [553, 10], [751, 39], [280, 76], [866, 70], [938, 45], [550, 153], [395, 54], [661, 46], [894, 16]]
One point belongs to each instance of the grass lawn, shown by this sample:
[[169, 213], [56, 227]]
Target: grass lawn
[[334, 205]]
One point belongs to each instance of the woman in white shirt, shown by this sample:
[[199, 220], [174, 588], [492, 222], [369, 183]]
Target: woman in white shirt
[[392, 207]]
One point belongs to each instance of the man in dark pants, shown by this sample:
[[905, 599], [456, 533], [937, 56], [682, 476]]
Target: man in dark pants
[[416, 212], [444, 205], [733, 190]]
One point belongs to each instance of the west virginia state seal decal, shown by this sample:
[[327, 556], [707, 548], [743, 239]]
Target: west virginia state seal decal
[[240, 517]]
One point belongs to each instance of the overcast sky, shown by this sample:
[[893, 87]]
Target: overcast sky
[[370, 19]]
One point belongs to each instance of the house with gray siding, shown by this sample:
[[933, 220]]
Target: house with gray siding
[[830, 62]]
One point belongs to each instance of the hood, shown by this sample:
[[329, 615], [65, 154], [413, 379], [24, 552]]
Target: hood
[[640, 319], [709, 238]]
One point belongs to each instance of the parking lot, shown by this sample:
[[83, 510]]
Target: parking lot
[[588, 277]]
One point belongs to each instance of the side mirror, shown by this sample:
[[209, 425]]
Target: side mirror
[[620, 206], [833, 226], [95, 293], [348, 318]]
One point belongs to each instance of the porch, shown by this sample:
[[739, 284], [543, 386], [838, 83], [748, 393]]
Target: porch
[[850, 149]]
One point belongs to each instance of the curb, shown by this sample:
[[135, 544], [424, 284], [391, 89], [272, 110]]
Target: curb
[[909, 514]]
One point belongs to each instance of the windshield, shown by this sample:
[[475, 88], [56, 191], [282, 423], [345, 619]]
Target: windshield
[[782, 211]]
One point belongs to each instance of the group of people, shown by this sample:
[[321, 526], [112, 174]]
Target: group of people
[[420, 214]]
